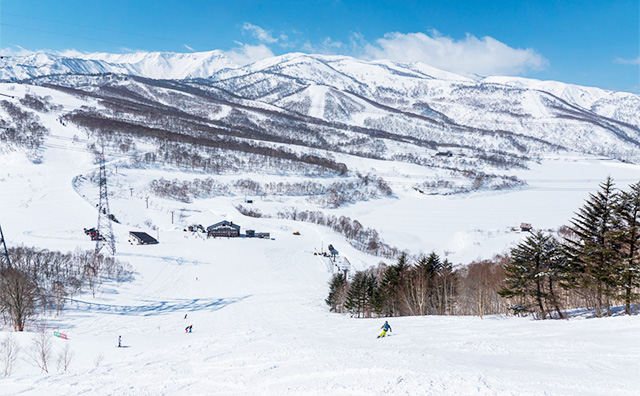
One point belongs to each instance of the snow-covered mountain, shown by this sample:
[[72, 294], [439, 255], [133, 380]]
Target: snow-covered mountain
[[162, 65], [370, 157], [382, 100]]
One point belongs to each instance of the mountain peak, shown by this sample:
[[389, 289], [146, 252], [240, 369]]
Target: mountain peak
[[159, 65]]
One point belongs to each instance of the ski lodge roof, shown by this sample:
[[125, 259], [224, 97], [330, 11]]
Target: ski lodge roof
[[142, 238], [224, 224]]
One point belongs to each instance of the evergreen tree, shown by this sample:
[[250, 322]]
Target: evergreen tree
[[525, 274], [338, 287], [558, 273], [363, 296], [628, 236], [354, 301], [594, 252], [393, 287], [424, 284]]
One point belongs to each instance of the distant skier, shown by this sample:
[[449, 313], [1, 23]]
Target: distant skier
[[119, 341], [385, 327], [188, 329], [185, 316]]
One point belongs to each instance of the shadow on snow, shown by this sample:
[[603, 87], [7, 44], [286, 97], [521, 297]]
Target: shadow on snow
[[156, 307]]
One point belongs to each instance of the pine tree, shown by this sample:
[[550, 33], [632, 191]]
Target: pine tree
[[338, 287], [393, 287], [594, 253], [526, 272], [354, 301], [363, 295], [424, 284], [628, 236]]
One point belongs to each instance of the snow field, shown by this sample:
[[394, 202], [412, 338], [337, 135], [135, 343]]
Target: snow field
[[261, 326]]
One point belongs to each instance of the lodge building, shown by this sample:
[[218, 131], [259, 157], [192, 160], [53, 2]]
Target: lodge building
[[224, 229]]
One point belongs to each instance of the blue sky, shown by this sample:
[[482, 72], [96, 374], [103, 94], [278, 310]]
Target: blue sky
[[589, 42]]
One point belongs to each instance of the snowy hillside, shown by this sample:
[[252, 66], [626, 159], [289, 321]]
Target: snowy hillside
[[260, 324], [409, 99], [400, 157]]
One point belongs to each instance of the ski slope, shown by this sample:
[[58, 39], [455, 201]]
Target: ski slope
[[260, 324]]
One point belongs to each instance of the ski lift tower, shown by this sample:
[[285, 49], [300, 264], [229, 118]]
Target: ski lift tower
[[5, 252], [104, 229]]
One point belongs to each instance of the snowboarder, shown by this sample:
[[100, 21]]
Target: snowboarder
[[385, 327], [119, 341]]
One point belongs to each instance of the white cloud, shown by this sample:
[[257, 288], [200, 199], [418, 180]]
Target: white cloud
[[635, 61], [18, 51], [188, 47], [328, 46], [261, 34], [246, 53], [484, 56]]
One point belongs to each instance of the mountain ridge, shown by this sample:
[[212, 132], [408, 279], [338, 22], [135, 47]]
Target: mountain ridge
[[341, 95]]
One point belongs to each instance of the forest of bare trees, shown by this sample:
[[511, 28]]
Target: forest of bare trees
[[21, 129], [40, 282], [331, 195]]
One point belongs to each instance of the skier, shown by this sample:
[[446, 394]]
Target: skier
[[385, 327], [188, 329], [185, 316], [119, 341]]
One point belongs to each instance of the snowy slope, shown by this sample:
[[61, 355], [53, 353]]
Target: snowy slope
[[261, 326], [259, 319]]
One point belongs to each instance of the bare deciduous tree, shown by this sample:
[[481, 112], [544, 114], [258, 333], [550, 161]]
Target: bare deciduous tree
[[65, 357], [40, 352], [9, 354], [18, 295]]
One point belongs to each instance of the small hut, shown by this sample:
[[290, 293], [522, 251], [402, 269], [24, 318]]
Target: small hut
[[141, 238]]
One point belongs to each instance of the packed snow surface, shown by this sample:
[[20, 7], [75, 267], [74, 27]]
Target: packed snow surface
[[260, 324]]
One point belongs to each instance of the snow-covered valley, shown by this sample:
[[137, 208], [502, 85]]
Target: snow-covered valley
[[446, 169], [260, 324]]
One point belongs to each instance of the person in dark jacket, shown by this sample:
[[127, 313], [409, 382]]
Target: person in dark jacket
[[119, 341], [385, 327]]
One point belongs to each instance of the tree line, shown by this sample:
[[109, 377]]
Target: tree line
[[333, 195], [40, 281], [592, 263], [426, 285]]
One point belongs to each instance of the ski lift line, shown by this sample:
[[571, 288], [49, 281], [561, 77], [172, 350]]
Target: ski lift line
[[86, 151], [69, 139]]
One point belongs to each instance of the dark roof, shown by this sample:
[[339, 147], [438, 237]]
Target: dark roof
[[224, 223], [143, 237]]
